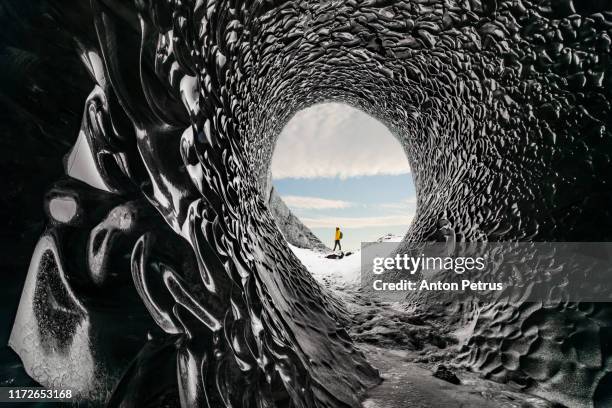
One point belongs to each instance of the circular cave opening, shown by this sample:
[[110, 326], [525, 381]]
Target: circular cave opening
[[336, 166]]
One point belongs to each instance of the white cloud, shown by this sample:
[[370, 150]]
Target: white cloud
[[401, 205], [335, 140], [315, 203], [358, 222]]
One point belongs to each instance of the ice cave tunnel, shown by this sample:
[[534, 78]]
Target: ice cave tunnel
[[176, 274]]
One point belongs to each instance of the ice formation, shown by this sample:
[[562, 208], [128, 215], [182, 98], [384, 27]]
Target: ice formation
[[502, 107]]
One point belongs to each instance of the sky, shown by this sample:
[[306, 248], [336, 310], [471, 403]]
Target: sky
[[336, 166]]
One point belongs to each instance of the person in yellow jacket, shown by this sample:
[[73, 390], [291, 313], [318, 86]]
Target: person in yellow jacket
[[337, 239]]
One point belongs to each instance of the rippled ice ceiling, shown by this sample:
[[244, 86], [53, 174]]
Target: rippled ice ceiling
[[503, 108]]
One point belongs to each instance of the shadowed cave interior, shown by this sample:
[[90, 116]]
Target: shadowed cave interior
[[165, 266]]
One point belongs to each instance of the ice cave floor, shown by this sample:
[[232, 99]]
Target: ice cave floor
[[406, 348]]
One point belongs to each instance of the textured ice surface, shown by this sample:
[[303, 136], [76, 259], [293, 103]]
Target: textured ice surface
[[502, 107], [293, 230]]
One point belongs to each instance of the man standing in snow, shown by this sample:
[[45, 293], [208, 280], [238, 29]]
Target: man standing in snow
[[337, 239]]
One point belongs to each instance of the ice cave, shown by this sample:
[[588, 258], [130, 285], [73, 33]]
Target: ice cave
[[162, 277]]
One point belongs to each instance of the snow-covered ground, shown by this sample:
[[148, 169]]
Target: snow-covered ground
[[336, 273], [405, 345]]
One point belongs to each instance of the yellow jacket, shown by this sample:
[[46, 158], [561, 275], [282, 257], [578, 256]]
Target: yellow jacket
[[337, 235]]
